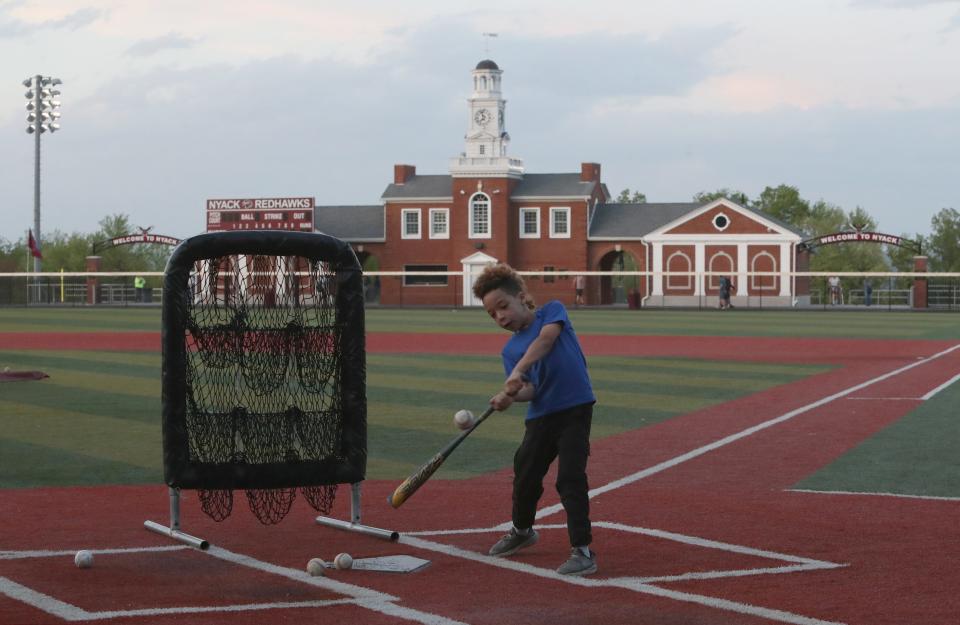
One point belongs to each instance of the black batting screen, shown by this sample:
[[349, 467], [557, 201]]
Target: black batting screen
[[263, 370]]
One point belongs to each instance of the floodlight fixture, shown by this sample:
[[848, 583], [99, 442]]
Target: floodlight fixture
[[42, 116]]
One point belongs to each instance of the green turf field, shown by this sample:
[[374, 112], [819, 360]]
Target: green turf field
[[917, 455], [97, 419], [806, 323]]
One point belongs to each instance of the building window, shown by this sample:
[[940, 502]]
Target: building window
[[439, 223], [721, 222], [483, 149], [436, 279], [560, 222], [480, 216], [410, 223], [530, 223]]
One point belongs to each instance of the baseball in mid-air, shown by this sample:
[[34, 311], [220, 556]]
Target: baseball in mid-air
[[463, 419], [343, 561], [315, 567], [83, 559]]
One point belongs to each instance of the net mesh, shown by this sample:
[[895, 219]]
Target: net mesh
[[262, 374]]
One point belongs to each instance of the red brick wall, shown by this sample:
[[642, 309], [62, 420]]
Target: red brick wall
[[703, 224]]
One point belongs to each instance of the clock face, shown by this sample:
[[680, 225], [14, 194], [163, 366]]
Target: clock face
[[482, 117]]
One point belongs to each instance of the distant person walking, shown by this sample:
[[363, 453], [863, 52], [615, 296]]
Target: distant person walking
[[579, 284], [836, 295], [139, 285], [725, 286], [867, 292]]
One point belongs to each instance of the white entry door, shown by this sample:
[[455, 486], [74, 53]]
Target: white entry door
[[473, 266]]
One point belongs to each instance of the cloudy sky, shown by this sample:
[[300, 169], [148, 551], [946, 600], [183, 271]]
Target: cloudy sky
[[168, 103]]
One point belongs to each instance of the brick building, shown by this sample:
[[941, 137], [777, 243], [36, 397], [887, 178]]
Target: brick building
[[488, 209]]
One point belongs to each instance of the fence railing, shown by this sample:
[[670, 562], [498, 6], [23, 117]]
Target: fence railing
[[628, 289]]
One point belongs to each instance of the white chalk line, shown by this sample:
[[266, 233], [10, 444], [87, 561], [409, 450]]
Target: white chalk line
[[886, 398], [727, 440], [359, 596], [673, 536], [633, 584], [941, 387], [870, 494], [18, 555]]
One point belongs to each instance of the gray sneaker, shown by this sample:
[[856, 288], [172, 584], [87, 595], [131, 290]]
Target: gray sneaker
[[513, 542], [579, 564]]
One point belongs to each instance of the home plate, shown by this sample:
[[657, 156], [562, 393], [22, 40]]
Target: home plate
[[390, 564]]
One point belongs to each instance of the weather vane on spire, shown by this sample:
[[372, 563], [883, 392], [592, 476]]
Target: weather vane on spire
[[486, 42]]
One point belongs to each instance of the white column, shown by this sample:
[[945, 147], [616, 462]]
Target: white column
[[699, 265], [657, 269], [785, 270], [742, 268]]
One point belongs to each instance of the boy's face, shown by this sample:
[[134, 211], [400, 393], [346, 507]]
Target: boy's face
[[509, 311]]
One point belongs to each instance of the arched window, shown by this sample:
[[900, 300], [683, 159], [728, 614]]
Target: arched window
[[722, 263], [764, 261], [679, 262], [479, 216], [483, 83]]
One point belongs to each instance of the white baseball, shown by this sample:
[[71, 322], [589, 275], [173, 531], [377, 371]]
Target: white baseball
[[343, 561], [83, 559], [463, 419], [315, 567]]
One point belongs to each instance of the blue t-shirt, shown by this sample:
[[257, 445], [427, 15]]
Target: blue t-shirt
[[560, 378]]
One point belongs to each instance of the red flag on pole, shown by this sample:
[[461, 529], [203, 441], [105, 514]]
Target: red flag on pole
[[32, 244]]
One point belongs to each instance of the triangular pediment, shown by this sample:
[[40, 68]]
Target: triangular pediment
[[478, 258], [721, 218]]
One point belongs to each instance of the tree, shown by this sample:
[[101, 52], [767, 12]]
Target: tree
[[738, 197], [901, 258], [784, 203], [636, 198], [943, 246]]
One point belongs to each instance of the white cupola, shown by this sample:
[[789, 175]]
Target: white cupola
[[486, 138]]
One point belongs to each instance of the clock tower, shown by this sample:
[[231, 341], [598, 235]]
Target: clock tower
[[486, 138]]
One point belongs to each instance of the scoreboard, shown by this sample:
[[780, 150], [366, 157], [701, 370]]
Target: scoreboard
[[277, 213]]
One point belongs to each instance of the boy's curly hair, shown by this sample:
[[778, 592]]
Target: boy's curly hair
[[501, 276]]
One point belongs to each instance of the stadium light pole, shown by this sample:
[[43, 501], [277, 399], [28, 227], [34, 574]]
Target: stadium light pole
[[42, 115]]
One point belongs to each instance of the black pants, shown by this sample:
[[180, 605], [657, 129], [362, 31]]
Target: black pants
[[565, 434]]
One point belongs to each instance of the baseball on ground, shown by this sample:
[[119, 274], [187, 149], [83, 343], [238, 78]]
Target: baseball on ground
[[315, 567], [343, 561], [83, 559]]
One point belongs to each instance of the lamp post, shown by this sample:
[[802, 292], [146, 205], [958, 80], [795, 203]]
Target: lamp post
[[42, 115]]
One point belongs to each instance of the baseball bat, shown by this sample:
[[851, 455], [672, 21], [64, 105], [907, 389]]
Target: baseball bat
[[410, 485]]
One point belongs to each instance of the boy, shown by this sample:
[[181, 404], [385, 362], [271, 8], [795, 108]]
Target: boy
[[545, 367]]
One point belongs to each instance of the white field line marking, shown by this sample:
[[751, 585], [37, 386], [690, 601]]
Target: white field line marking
[[680, 538], [17, 555], [628, 584], [359, 596], [723, 442], [866, 494], [365, 597], [887, 398], [701, 575], [282, 605], [942, 386], [43, 602]]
